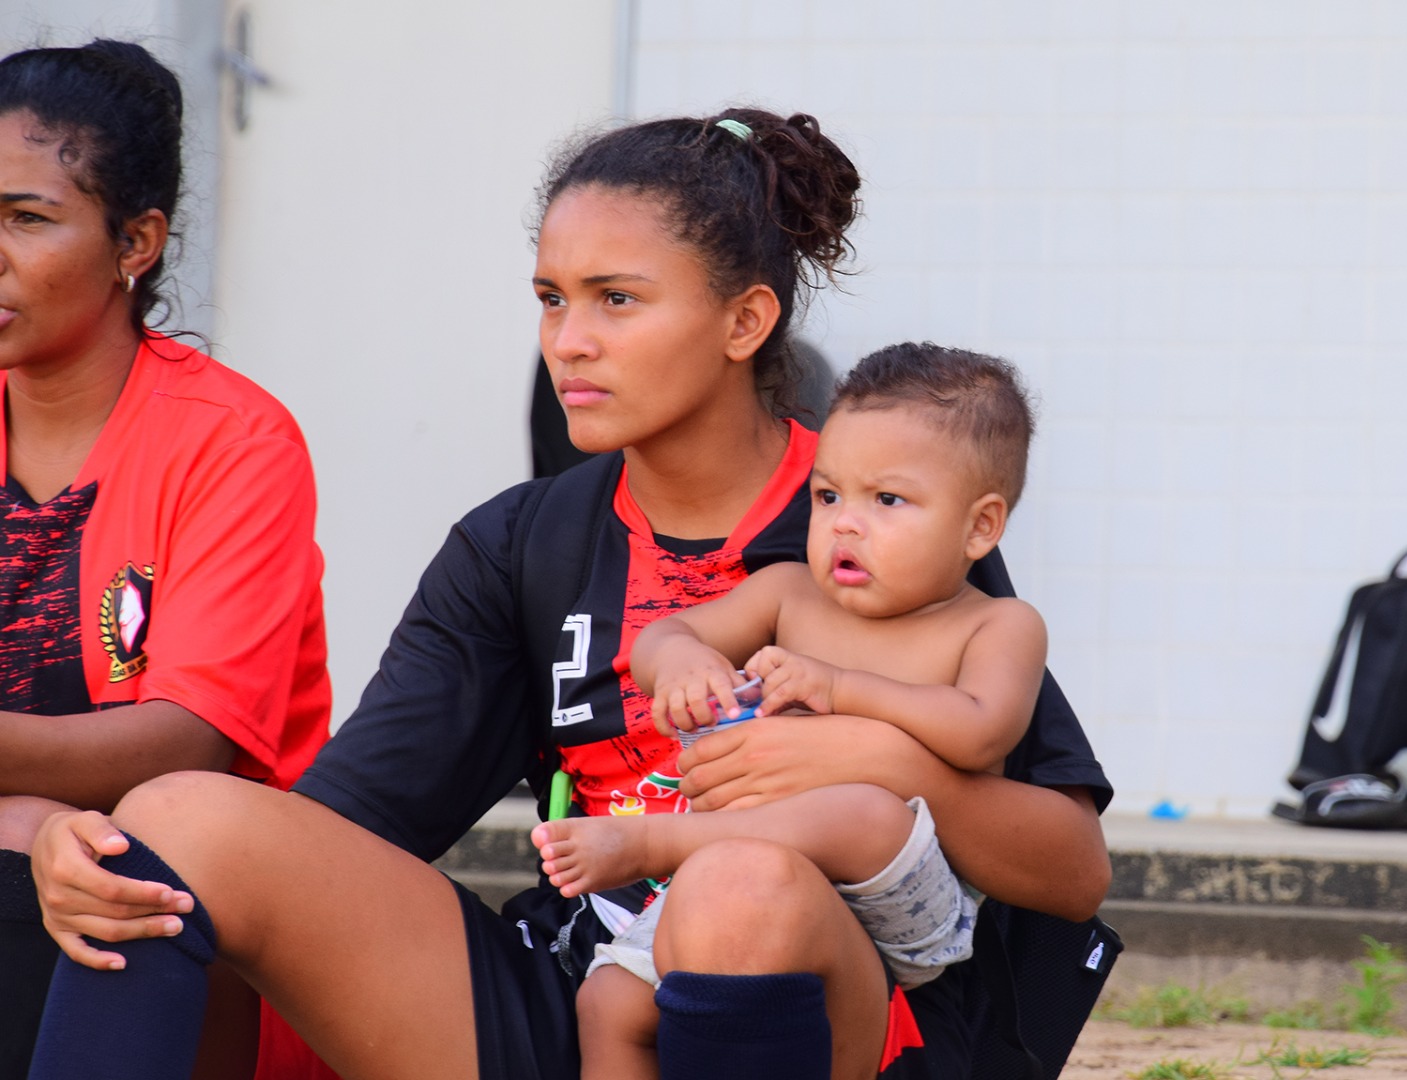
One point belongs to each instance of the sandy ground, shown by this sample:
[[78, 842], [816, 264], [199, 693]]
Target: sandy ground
[[1111, 1050]]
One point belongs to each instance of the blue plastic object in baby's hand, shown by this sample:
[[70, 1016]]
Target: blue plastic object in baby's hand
[[749, 696]]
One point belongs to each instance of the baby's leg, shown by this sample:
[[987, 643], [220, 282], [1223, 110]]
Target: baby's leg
[[915, 909], [850, 831], [616, 1023]]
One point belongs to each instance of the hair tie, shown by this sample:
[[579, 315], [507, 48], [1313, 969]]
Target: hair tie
[[735, 128]]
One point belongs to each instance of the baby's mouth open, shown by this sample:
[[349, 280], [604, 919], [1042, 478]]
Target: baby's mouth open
[[847, 571]]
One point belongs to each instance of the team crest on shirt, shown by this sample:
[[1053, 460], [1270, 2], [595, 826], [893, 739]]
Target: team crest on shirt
[[123, 620]]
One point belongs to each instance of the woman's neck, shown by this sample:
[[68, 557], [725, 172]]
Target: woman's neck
[[54, 415], [700, 487]]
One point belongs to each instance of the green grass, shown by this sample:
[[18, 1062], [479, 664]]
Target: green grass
[[1172, 1005], [1291, 1056], [1367, 1006], [1307, 1016], [1182, 1069], [1287, 1056], [1371, 1002]]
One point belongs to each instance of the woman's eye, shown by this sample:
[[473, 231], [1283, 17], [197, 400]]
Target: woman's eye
[[888, 498], [550, 299], [617, 299], [28, 217]]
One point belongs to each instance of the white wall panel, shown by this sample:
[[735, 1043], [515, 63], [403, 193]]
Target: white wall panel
[[1188, 224]]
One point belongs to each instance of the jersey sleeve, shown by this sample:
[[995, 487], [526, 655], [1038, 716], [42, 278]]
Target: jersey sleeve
[[443, 729], [233, 586], [1054, 752]]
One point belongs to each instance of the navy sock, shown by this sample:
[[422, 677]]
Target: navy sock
[[744, 1027], [142, 1022], [27, 955]]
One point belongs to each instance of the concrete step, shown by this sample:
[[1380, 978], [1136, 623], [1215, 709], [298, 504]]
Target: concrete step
[[1276, 907], [1266, 888], [1265, 909]]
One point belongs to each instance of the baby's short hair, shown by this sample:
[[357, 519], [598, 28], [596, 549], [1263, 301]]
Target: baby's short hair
[[979, 400]]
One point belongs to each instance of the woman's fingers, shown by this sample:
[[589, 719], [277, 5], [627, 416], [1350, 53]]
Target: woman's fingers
[[718, 771], [769, 758], [75, 944], [80, 952], [79, 897]]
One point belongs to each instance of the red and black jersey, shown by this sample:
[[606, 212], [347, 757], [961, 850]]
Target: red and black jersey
[[41, 644], [600, 719], [192, 572]]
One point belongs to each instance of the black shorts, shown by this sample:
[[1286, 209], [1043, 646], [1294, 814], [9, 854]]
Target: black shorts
[[525, 997], [526, 965]]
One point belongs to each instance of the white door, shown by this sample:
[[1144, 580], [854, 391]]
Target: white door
[[358, 246], [373, 265]]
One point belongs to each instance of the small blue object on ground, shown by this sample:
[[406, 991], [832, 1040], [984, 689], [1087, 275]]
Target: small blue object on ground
[[1166, 811]]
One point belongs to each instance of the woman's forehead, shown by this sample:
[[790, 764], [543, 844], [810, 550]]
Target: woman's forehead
[[597, 232], [32, 153]]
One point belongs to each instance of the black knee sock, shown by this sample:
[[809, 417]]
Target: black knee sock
[[27, 955], [744, 1027], [141, 1023]]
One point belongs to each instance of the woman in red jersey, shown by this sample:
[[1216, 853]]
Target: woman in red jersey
[[160, 603]]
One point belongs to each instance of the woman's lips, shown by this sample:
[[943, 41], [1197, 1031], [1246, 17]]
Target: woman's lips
[[6, 316], [577, 392]]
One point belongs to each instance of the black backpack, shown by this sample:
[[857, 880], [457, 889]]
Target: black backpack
[[1362, 705], [1039, 975]]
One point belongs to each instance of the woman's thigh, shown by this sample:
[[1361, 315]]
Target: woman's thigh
[[750, 907], [360, 945]]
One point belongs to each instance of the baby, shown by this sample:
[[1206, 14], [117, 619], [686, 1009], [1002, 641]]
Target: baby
[[920, 461]]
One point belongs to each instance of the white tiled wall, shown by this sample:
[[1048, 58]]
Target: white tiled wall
[[1187, 222]]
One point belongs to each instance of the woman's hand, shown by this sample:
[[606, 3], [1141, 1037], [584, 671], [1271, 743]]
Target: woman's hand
[[1035, 847], [81, 898], [772, 757]]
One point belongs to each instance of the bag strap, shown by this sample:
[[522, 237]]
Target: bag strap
[[554, 545], [1352, 622]]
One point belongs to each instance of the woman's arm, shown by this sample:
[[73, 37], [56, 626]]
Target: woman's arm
[[973, 724], [90, 760], [1035, 847]]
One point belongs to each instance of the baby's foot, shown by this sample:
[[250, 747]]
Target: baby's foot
[[587, 854]]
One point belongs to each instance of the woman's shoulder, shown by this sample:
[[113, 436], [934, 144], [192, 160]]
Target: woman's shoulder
[[563, 511], [189, 381]]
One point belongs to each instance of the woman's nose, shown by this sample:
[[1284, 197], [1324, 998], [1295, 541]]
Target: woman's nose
[[571, 337]]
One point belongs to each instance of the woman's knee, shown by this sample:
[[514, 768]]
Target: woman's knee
[[745, 906], [185, 815], [178, 793]]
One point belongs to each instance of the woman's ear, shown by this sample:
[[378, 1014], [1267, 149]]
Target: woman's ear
[[754, 313], [141, 244], [986, 523]]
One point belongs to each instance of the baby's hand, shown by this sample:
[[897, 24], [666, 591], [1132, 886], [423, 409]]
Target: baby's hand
[[688, 675], [790, 679]]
